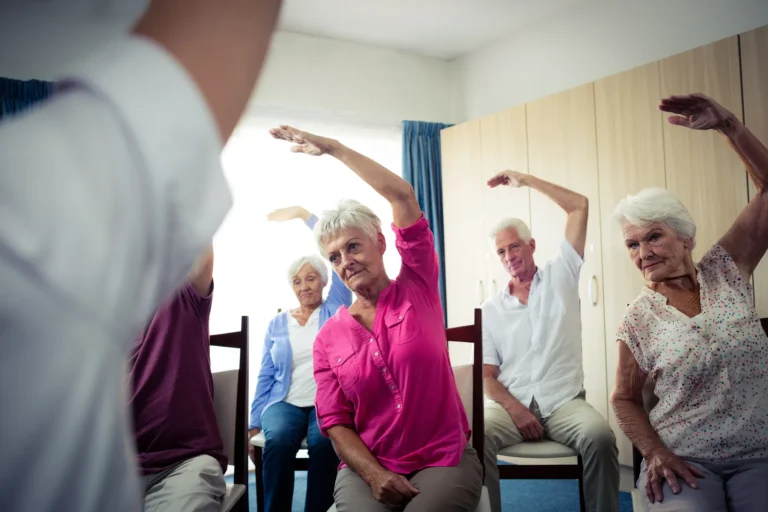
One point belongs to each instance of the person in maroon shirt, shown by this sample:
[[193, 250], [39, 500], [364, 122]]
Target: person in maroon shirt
[[180, 452]]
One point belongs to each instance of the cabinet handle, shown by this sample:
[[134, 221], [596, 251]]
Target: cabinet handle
[[593, 290], [480, 295], [494, 289]]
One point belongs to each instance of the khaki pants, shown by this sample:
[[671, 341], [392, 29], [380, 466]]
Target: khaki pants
[[445, 489], [575, 424], [195, 485]]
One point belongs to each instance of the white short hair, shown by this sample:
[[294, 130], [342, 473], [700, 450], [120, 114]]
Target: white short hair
[[315, 261], [523, 231], [656, 204], [348, 214]]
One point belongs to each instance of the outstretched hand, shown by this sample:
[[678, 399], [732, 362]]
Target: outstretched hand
[[304, 142], [288, 213], [509, 178], [698, 112]]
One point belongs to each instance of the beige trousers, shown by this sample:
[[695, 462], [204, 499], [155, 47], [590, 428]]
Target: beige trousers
[[445, 489], [575, 424]]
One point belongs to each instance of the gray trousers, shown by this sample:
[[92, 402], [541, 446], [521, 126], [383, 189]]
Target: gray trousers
[[575, 424], [740, 486], [444, 489], [195, 485]]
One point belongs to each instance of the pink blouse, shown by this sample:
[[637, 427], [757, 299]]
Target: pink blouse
[[395, 386]]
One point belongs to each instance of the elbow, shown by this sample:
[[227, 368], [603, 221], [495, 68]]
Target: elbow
[[582, 203], [402, 192]]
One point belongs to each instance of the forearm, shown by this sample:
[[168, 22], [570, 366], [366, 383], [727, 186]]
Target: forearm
[[568, 200], [752, 152], [496, 391], [633, 420], [388, 184], [353, 452], [221, 45]]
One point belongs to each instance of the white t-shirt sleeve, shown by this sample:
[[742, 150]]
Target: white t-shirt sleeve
[[567, 264], [113, 187]]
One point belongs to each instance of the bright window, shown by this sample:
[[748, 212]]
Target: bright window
[[252, 255]]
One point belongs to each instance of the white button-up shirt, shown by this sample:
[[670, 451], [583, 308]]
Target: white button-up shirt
[[108, 193], [537, 346]]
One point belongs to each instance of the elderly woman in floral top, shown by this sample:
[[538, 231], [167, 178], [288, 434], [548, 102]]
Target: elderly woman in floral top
[[386, 395], [695, 332]]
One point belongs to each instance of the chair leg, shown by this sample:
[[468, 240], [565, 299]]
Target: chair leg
[[582, 502], [259, 480]]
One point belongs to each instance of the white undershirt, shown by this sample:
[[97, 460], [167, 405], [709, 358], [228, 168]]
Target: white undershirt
[[301, 393]]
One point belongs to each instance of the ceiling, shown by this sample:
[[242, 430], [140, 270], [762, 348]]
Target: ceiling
[[436, 28]]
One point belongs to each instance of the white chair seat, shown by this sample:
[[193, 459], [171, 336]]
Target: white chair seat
[[483, 506], [259, 440], [234, 492], [539, 450]]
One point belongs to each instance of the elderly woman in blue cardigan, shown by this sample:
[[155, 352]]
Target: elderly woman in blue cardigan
[[283, 406]]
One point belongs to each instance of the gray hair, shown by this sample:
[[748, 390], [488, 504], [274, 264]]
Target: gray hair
[[523, 231], [348, 214], [315, 261], [656, 204]]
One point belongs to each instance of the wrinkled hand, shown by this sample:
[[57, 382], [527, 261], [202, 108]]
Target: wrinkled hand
[[252, 449], [289, 213], [665, 465], [509, 178], [698, 112], [304, 142], [527, 424], [392, 489]]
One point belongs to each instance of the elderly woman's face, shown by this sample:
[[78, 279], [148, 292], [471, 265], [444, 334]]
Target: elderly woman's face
[[656, 250], [356, 258], [308, 286]]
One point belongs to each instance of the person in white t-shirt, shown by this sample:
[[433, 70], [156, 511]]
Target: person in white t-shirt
[[532, 360], [108, 193], [284, 403]]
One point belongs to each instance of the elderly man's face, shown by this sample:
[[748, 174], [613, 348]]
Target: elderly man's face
[[308, 286], [356, 258], [515, 254], [656, 250]]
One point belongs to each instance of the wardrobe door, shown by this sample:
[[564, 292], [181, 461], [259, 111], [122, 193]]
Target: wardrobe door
[[505, 147], [630, 155], [701, 169], [562, 149], [754, 76]]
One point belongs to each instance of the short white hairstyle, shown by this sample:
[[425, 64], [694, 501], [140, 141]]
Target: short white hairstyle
[[315, 261], [656, 204], [347, 214], [523, 231]]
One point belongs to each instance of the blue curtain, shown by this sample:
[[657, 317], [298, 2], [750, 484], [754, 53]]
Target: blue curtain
[[19, 95], [422, 169]]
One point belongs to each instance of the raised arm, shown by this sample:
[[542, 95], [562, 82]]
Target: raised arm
[[627, 402], [576, 206], [399, 193], [747, 239]]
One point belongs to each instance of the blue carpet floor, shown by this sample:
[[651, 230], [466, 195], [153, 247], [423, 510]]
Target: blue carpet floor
[[516, 495]]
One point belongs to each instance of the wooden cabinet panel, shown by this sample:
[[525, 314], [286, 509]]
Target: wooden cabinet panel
[[630, 154], [754, 74], [462, 204], [701, 169], [505, 147], [562, 149]]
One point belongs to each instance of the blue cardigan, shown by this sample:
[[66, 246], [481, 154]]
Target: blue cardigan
[[277, 358]]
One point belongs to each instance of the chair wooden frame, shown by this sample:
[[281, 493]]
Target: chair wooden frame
[[474, 334], [637, 458], [239, 340]]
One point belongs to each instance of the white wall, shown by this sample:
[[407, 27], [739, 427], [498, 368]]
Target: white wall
[[591, 41]]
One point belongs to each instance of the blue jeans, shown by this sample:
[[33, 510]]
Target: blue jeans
[[285, 426]]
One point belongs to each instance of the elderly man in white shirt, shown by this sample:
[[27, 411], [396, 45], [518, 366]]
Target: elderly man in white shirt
[[532, 368], [108, 193]]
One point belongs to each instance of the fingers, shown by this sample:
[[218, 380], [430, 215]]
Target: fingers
[[671, 480], [539, 430], [655, 483], [679, 121], [695, 471], [686, 473], [413, 490]]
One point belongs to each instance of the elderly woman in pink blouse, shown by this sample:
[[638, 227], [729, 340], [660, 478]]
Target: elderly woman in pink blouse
[[695, 332], [386, 396]]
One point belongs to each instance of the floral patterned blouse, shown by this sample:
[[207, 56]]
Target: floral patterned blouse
[[711, 371]]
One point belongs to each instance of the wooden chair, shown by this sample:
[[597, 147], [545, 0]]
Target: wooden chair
[[258, 441], [230, 390]]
